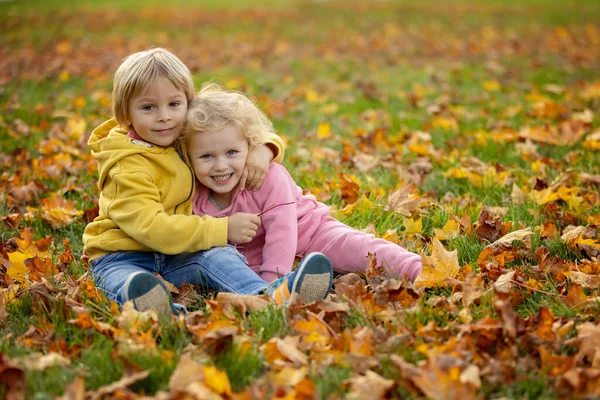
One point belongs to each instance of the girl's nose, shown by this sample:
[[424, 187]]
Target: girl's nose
[[220, 164]]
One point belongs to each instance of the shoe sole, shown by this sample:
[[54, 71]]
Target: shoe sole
[[317, 275], [157, 298]]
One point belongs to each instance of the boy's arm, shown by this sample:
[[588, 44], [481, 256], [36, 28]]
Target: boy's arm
[[276, 144], [280, 223], [136, 208], [259, 158]]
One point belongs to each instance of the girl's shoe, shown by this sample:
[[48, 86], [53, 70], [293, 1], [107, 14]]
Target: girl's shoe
[[148, 293], [311, 281]]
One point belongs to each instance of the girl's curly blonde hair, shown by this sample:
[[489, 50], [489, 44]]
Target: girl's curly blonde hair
[[214, 108]]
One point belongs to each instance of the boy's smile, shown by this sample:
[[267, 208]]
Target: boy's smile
[[158, 113], [218, 158]]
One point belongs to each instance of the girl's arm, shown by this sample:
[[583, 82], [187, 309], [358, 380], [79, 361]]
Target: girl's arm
[[280, 223], [257, 163]]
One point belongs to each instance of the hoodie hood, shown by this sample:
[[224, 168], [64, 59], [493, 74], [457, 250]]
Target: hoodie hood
[[109, 144]]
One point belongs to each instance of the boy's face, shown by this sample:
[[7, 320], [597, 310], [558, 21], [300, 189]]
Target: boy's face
[[158, 113], [219, 157]]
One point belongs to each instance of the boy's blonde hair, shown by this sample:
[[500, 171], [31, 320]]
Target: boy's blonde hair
[[142, 68], [214, 108]]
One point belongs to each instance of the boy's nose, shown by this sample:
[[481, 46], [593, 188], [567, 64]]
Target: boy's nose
[[163, 115]]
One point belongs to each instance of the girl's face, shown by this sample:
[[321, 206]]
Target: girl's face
[[158, 113], [219, 157]]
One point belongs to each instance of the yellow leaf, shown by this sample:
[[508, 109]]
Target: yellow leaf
[[329, 108], [438, 267], [217, 380], [18, 271], [545, 196], [314, 97], [413, 226], [447, 124], [491, 86], [324, 130], [449, 230]]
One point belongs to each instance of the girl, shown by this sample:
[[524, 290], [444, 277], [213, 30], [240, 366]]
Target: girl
[[223, 126], [145, 224]]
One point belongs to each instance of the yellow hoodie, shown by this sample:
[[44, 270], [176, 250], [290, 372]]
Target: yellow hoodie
[[146, 194]]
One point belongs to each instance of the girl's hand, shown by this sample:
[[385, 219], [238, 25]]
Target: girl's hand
[[257, 166]]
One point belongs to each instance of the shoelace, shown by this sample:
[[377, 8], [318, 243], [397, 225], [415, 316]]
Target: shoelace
[[276, 283]]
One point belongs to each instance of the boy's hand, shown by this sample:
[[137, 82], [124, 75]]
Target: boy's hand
[[241, 227], [257, 166]]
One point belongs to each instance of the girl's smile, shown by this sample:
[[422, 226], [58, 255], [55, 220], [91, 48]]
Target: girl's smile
[[219, 158]]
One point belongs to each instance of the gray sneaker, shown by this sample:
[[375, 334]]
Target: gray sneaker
[[311, 281], [148, 293]]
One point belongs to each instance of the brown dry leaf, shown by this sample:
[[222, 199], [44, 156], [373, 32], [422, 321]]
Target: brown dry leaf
[[242, 303], [12, 378], [403, 202], [576, 296], [587, 341], [504, 283], [585, 280], [374, 273], [441, 266], [3, 312], [442, 377], [187, 371], [506, 240], [288, 347], [369, 386], [349, 279], [40, 362], [123, 383], [349, 188], [488, 225], [75, 390]]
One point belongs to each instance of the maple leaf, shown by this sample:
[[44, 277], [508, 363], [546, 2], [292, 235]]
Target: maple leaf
[[375, 273], [349, 188], [439, 268], [402, 201]]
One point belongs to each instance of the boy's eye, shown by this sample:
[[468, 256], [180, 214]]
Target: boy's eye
[[205, 156], [147, 107], [232, 152]]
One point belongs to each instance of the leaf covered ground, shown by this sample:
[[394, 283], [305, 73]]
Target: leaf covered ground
[[465, 131]]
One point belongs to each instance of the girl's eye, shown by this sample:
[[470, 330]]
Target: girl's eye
[[232, 152], [147, 107], [205, 156], [175, 104]]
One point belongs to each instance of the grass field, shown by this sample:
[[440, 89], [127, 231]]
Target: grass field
[[481, 117]]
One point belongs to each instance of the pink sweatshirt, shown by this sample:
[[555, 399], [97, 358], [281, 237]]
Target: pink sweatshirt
[[283, 229]]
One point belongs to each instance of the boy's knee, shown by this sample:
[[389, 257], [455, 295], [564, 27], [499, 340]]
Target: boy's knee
[[225, 254]]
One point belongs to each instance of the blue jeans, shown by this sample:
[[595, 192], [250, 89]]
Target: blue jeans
[[220, 268]]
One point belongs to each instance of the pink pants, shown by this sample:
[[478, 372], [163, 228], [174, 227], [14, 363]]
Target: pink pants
[[347, 249]]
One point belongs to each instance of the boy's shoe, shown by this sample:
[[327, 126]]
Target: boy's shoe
[[311, 281], [148, 293]]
